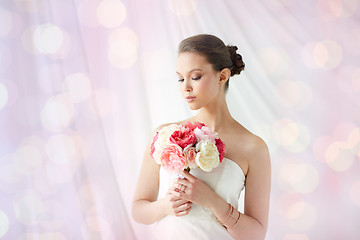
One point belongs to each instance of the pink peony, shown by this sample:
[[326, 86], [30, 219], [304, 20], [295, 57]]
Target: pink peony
[[172, 158], [221, 148], [191, 126], [183, 138], [152, 147], [190, 155], [205, 134]]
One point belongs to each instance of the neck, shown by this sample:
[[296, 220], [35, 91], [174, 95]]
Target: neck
[[215, 115]]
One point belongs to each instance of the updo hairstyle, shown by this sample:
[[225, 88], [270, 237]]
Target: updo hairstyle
[[216, 53]]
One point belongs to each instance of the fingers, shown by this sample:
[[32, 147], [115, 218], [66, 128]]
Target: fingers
[[180, 208], [178, 205], [188, 176]]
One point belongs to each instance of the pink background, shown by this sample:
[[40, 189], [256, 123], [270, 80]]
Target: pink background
[[84, 83]]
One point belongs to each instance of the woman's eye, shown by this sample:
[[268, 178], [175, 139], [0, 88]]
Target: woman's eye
[[180, 80], [196, 78]]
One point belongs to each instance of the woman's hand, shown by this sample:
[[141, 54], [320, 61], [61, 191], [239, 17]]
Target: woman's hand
[[193, 189], [175, 205]]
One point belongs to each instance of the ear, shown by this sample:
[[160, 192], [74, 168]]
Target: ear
[[224, 75]]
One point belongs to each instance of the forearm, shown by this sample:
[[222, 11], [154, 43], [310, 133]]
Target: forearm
[[147, 212], [246, 228]]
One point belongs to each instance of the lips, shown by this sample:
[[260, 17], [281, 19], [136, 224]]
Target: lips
[[190, 98]]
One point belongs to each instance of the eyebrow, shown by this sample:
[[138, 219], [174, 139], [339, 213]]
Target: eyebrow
[[196, 69]]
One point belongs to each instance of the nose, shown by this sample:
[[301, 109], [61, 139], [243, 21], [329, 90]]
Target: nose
[[187, 85]]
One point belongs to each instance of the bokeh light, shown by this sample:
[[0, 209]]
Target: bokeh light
[[28, 41], [183, 7], [29, 208], [346, 79], [3, 96], [327, 54], [123, 48], [63, 68], [4, 224], [298, 177], [78, 85], [48, 38], [293, 136], [57, 113], [286, 200], [12, 93], [320, 146], [339, 156], [301, 216], [294, 94], [61, 148], [331, 10], [28, 160], [111, 13], [274, 60]]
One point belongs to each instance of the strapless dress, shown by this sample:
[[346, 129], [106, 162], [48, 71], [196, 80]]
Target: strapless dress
[[227, 180]]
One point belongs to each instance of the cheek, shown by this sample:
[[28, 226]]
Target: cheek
[[208, 87]]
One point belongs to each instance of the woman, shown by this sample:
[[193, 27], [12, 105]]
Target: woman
[[204, 205]]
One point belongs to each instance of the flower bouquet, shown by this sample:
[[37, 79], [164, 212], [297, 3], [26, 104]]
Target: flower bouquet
[[187, 146]]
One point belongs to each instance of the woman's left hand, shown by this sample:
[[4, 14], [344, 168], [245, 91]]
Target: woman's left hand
[[193, 189]]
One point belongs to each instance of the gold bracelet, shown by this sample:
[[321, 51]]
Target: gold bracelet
[[231, 219]]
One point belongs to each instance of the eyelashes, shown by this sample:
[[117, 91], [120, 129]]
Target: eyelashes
[[195, 78]]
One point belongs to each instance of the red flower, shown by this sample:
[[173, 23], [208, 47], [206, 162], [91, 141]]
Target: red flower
[[191, 126], [183, 138], [221, 148], [152, 147]]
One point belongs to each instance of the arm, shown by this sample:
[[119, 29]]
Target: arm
[[253, 223], [146, 208]]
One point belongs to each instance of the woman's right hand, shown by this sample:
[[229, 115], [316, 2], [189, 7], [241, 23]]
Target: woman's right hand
[[176, 206]]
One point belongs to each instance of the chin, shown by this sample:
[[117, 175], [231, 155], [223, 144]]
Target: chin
[[194, 107]]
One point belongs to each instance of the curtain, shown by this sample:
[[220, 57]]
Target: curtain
[[83, 83]]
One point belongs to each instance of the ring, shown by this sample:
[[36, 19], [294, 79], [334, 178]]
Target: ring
[[182, 188]]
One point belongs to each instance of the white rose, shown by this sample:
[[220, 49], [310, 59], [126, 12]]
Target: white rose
[[207, 157], [163, 140]]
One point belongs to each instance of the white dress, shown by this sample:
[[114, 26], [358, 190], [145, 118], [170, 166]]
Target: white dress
[[227, 180]]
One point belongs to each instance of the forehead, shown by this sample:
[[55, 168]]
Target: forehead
[[188, 61]]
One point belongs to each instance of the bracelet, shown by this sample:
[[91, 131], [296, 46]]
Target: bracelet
[[231, 219]]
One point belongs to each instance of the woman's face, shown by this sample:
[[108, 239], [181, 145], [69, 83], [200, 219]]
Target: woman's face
[[198, 81]]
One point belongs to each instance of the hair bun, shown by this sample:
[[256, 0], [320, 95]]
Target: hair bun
[[238, 64]]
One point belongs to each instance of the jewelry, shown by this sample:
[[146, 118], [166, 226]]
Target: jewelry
[[182, 187], [232, 218]]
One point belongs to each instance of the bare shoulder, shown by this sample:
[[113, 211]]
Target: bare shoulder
[[253, 146]]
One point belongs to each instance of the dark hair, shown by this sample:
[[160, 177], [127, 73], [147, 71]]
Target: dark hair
[[215, 51]]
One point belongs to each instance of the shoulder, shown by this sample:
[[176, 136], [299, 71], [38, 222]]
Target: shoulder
[[254, 147]]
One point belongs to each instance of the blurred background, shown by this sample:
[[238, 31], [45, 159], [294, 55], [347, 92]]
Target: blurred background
[[84, 83]]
